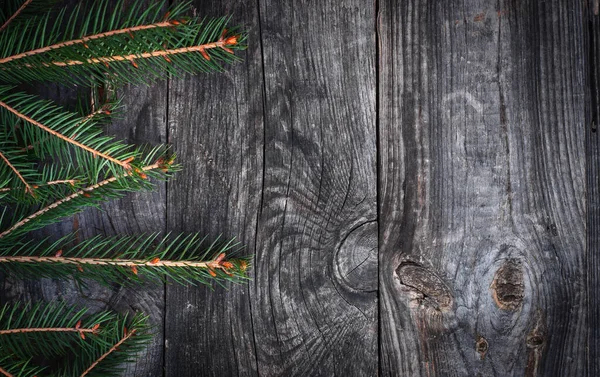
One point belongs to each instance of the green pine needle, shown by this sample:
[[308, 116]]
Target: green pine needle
[[54, 163], [56, 332], [116, 45], [127, 260]]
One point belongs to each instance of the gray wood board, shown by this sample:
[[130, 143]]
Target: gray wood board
[[482, 188], [593, 187], [216, 129], [298, 188], [315, 299]]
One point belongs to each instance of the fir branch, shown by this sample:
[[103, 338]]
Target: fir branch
[[25, 4], [85, 39], [103, 110], [63, 137], [28, 188], [111, 350], [84, 191], [218, 263], [126, 260], [224, 44], [24, 330], [191, 45], [54, 332]]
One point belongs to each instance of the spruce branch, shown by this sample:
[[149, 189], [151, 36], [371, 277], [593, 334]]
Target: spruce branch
[[55, 332], [70, 140], [85, 192], [24, 330], [82, 41], [138, 49], [28, 188], [107, 353], [127, 260], [25, 4], [224, 44]]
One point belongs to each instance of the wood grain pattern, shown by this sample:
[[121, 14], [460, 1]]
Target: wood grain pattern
[[316, 268], [417, 181], [593, 187], [482, 188], [216, 128]]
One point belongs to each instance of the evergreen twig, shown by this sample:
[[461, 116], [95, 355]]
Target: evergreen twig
[[54, 163], [111, 350], [84, 192], [17, 173], [25, 4], [63, 137]]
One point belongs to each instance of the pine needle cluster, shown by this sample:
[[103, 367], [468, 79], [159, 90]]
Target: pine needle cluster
[[56, 162], [43, 337]]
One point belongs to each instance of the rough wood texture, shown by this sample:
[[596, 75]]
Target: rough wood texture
[[593, 187], [216, 128], [315, 303], [417, 181], [482, 188]]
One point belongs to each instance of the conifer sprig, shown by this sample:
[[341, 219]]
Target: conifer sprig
[[54, 163], [137, 178], [127, 260], [55, 331], [136, 46]]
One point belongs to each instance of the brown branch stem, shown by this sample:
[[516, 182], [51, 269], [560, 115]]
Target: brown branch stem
[[47, 329], [5, 373], [25, 4], [111, 350], [110, 262], [63, 137], [73, 196], [27, 186], [131, 57], [58, 182], [84, 40]]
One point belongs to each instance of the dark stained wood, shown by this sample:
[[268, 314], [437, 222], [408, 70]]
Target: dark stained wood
[[314, 294], [482, 188]]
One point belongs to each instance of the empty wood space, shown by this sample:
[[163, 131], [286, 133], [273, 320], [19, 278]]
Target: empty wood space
[[417, 181]]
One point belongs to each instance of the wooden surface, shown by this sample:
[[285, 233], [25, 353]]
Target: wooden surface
[[417, 181]]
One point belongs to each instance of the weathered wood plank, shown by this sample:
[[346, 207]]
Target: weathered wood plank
[[482, 188], [143, 121], [216, 128], [593, 188], [314, 295]]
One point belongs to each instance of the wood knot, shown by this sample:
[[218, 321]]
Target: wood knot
[[508, 288], [356, 258], [481, 346], [428, 285], [534, 341]]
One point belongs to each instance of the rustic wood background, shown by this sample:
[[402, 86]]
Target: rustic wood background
[[417, 181]]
